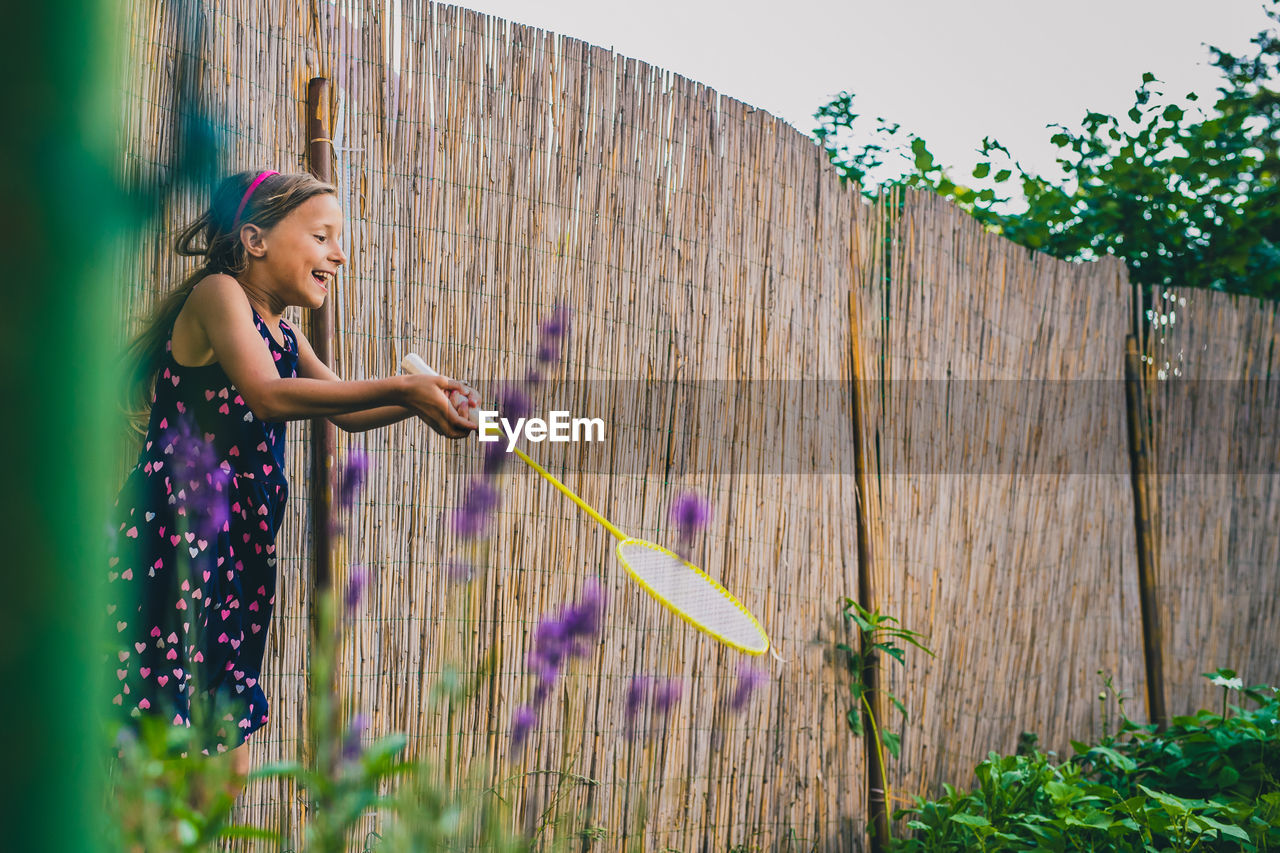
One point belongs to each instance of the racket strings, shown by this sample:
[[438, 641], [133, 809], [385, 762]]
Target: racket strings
[[692, 595]]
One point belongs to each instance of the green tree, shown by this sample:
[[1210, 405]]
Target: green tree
[[1185, 196]]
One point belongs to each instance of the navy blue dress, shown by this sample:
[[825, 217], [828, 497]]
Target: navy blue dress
[[192, 575]]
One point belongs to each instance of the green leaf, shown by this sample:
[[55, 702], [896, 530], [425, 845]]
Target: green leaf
[[278, 768], [981, 170], [923, 159], [1175, 806], [854, 718], [892, 742], [1224, 828], [1124, 763], [970, 819], [246, 831]]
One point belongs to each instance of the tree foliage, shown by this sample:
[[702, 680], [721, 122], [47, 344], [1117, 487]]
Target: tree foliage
[[1185, 196]]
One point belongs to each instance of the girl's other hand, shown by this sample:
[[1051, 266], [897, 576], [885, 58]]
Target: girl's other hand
[[429, 397], [465, 402]]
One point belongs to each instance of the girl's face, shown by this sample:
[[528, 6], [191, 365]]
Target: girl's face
[[302, 252]]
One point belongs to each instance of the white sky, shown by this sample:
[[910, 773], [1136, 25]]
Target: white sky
[[950, 71]]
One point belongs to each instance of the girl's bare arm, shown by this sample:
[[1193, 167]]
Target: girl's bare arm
[[310, 366], [225, 316]]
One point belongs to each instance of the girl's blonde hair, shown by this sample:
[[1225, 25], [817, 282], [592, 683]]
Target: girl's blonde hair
[[219, 244]]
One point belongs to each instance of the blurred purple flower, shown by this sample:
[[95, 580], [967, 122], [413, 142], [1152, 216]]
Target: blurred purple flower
[[522, 722], [532, 378], [690, 514], [662, 693], [199, 478], [548, 351], [355, 587], [572, 632], [749, 678], [514, 404], [636, 692], [470, 518], [582, 620], [495, 456], [557, 325], [551, 334], [351, 743], [667, 694], [352, 477]]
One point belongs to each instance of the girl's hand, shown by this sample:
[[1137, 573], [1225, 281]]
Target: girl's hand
[[429, 398], [465, 402]]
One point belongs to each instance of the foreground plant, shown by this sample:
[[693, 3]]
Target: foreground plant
[[877, 634]]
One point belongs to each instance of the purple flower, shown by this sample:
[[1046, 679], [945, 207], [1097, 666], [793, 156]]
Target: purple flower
[[690, 514], [495, 456], [522, 722], [582, 620], [199, 478], [351, 747], [470, 518], [514, 404], [572, 632], [636, 692], [557, 325], [552, 334], [667, 694], [663, 693], [351, 478], [532, 378], [548, 351], [355, 587], [749, 678]]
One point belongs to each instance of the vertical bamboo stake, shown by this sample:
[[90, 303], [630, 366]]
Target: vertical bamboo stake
[[1152, 639], [322, 432], [878, 818]]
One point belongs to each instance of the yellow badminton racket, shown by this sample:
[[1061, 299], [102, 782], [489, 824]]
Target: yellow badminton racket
[[680, 586]]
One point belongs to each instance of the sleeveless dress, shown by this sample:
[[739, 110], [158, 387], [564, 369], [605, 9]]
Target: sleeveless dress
[[192, 573]]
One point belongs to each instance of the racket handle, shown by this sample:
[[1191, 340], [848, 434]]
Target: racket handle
[[413, 363]]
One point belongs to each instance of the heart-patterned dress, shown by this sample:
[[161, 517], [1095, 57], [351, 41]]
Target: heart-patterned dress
[[192, 575]]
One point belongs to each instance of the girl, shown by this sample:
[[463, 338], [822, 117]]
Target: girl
[[193, 575]]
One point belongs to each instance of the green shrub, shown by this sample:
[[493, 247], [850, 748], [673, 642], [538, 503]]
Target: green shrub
[[1209, 782]]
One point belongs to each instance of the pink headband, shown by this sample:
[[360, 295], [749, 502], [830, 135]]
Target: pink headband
[[253, 186]]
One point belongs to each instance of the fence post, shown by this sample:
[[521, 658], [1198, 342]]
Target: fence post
[[1152, 637], [322, 431], [878, 817]]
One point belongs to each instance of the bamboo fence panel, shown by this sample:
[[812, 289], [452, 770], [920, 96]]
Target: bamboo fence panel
[[1213, 380], [1001, 512], [488, 172]]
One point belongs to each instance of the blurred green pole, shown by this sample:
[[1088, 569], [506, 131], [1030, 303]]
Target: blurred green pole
[[60, 210]]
